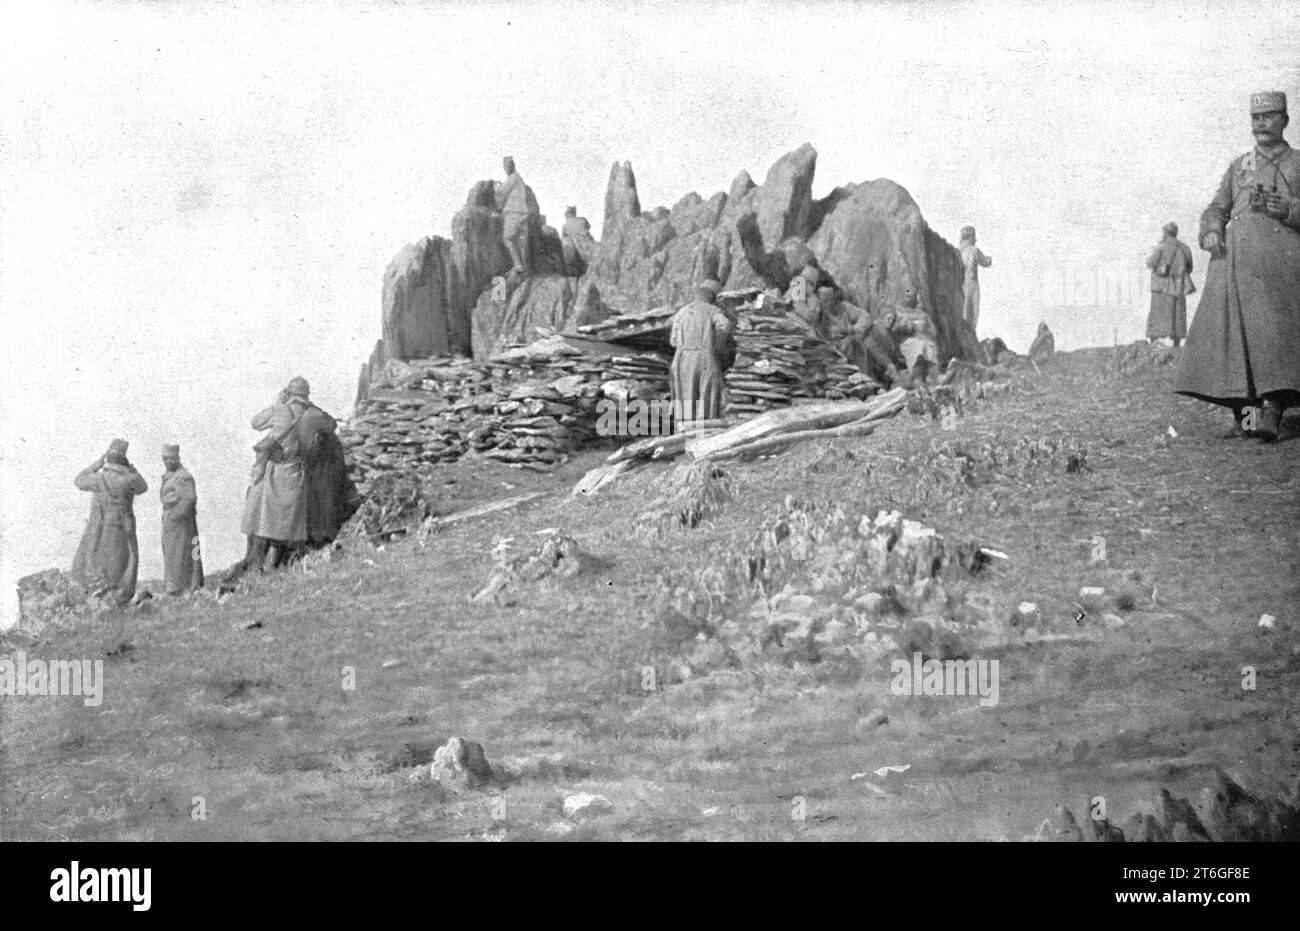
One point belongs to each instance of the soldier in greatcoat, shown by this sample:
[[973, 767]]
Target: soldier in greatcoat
[[275, 509], [1171, 281], [1243, 347], [700, 334], [182, 558], [108, 559]]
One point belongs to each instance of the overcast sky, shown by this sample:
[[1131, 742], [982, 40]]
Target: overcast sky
[[198, 200]]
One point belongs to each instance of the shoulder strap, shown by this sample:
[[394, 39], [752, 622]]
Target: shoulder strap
[[280, 437], [108, 492]]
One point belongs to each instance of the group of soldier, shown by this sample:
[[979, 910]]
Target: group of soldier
[[1243, 347], [299, 495], [897, 344], [1242, 352]]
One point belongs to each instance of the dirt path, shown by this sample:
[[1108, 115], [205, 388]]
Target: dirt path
[[244, 705]]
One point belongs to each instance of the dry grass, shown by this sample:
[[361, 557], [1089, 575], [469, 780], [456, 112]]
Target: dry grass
[[583, 685]]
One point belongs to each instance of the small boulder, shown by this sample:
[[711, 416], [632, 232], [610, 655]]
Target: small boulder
[[586, 805], [1026, 614], [1093, 598], [460, 762]]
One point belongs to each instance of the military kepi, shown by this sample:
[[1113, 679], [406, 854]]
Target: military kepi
[[1268, 102]]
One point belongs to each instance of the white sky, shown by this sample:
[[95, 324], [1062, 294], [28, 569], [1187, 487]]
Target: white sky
[[198, 200]]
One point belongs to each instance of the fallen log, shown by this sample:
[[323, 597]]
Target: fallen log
[[489, 508], [694, 426], [803, 418], [599, 477], [769, 444], [676, 445], [645, 449]]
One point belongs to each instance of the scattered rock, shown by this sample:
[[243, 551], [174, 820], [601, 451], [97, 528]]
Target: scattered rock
[[1179, 818], [1099, 829], [1233, 814], [873, 718], [560, 557], [585, 805], [53, 598], [460, 763], [1060, 828], [1026, 614], [1144, 828], [1092, 598]]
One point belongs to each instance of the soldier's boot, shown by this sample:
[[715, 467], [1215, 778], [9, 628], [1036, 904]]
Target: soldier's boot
[[1244, 419], [272, 558], [1270, 419]]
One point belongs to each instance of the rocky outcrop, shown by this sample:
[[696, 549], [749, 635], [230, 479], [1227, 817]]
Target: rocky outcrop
[[507, 317], [415, 317], [871, 237], [431, 287], [873, 240], [783, 204]]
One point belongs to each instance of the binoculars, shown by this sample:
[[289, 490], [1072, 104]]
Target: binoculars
[[1257, 195]]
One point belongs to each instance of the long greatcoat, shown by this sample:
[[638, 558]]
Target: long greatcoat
[[109, 554], [1244, 341], [699, 333], [182, 562], [331, 495], [1168, 315], [276, 504]]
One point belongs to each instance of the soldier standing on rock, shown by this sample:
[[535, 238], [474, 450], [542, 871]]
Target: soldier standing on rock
[[182, 560], [577, 242], [972, 259], [700, 334], [108, 558], [512, 201], [1243, 348]]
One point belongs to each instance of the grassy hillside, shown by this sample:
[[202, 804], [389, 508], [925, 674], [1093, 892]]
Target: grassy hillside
[[243, 703]]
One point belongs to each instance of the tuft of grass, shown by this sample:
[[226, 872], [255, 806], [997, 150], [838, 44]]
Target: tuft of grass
[[686, 497], [396, 506]]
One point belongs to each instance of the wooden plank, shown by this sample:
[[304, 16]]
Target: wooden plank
[[489, 508], [599, 477], [772, 443], [645, 449], [793, 419]]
